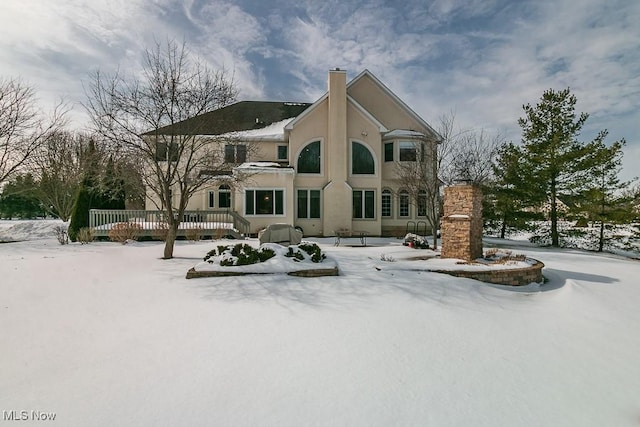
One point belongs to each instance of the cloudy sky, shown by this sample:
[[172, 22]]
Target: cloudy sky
[[482, 59]]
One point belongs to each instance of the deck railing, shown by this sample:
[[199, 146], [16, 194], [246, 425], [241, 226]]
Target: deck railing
[[210, 222]]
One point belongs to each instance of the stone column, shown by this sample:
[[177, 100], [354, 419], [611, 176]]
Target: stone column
[[462, 222]]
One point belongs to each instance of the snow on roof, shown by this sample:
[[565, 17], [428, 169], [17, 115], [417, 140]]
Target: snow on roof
[[263, 167], [404, 133], [273, 132]]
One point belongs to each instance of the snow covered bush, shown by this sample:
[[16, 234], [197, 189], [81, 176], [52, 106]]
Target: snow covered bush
[[123, 231], [312, 250], [415, 241], [239, 254]]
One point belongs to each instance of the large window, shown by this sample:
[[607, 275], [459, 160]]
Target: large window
[[167, 151], [264, 202], [309, 158], [422, 203], [235, 153], [362, 161], [403, 204], [410, 151], [388, 152], [364, 204], [308, 204], [387, 206], [224, 196]]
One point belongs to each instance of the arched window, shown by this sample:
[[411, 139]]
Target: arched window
[[362, 162], [309, 158], [387, 206], [224, 196]]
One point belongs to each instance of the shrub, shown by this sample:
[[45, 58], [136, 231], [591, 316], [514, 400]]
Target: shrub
[[296, 255], [313, 250], [123, 231], [193, 234], [265, 254], [387, 258], [86, 235], [161, 231], [61, 234]]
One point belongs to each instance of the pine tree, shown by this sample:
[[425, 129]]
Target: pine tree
[[559, 163], [511, 192], [83, 203], [603, 200]]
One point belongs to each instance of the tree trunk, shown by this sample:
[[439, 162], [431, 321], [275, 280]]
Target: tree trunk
[[601, 240], [503, 227], [555, 241], [171, 240]]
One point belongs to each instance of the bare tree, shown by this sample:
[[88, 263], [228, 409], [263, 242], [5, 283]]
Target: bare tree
[[23, 127], [148, 118], [472, 157], [459, 155]]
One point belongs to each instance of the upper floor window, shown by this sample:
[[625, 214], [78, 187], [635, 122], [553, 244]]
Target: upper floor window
[[388, 152], [283, 152], [410, 151], [235, 153], [309, 158], [167, 151], [362, 161]]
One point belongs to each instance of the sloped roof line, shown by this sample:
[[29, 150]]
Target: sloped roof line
[[367, 114], [395, 97], [306, 112]]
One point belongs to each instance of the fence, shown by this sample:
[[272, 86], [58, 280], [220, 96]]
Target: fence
[[209, 223]]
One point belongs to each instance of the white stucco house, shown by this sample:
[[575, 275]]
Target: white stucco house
[[325, 166]]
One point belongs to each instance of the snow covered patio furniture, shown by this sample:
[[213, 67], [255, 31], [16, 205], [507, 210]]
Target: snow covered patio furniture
[[283, 234]]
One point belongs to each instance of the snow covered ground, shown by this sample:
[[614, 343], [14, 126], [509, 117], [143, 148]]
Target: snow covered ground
[[106, 334]]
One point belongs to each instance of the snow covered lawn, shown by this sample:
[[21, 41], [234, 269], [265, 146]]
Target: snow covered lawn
[[106, 334]]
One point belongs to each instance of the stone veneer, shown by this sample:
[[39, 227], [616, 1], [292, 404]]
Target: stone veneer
[[511, 276], [461, 224]]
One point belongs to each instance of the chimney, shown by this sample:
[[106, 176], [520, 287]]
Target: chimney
[[337, 122]]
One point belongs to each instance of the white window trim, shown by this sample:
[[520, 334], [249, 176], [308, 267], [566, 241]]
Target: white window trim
[[400, 194], [375, 203], [284, 202], [391, 197], [308, 190], [373, 154], [322, 157], [277, 152]]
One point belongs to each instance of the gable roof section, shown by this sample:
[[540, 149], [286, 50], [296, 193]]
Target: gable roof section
[[384, 88], [241, 116], [395, 98]]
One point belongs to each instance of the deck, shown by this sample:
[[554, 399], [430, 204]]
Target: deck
[[210, 223]]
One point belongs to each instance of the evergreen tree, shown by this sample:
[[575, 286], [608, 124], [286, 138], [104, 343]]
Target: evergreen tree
[[551, 153], [83, 203], [604, 200], [19, 198], [511, 192]]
